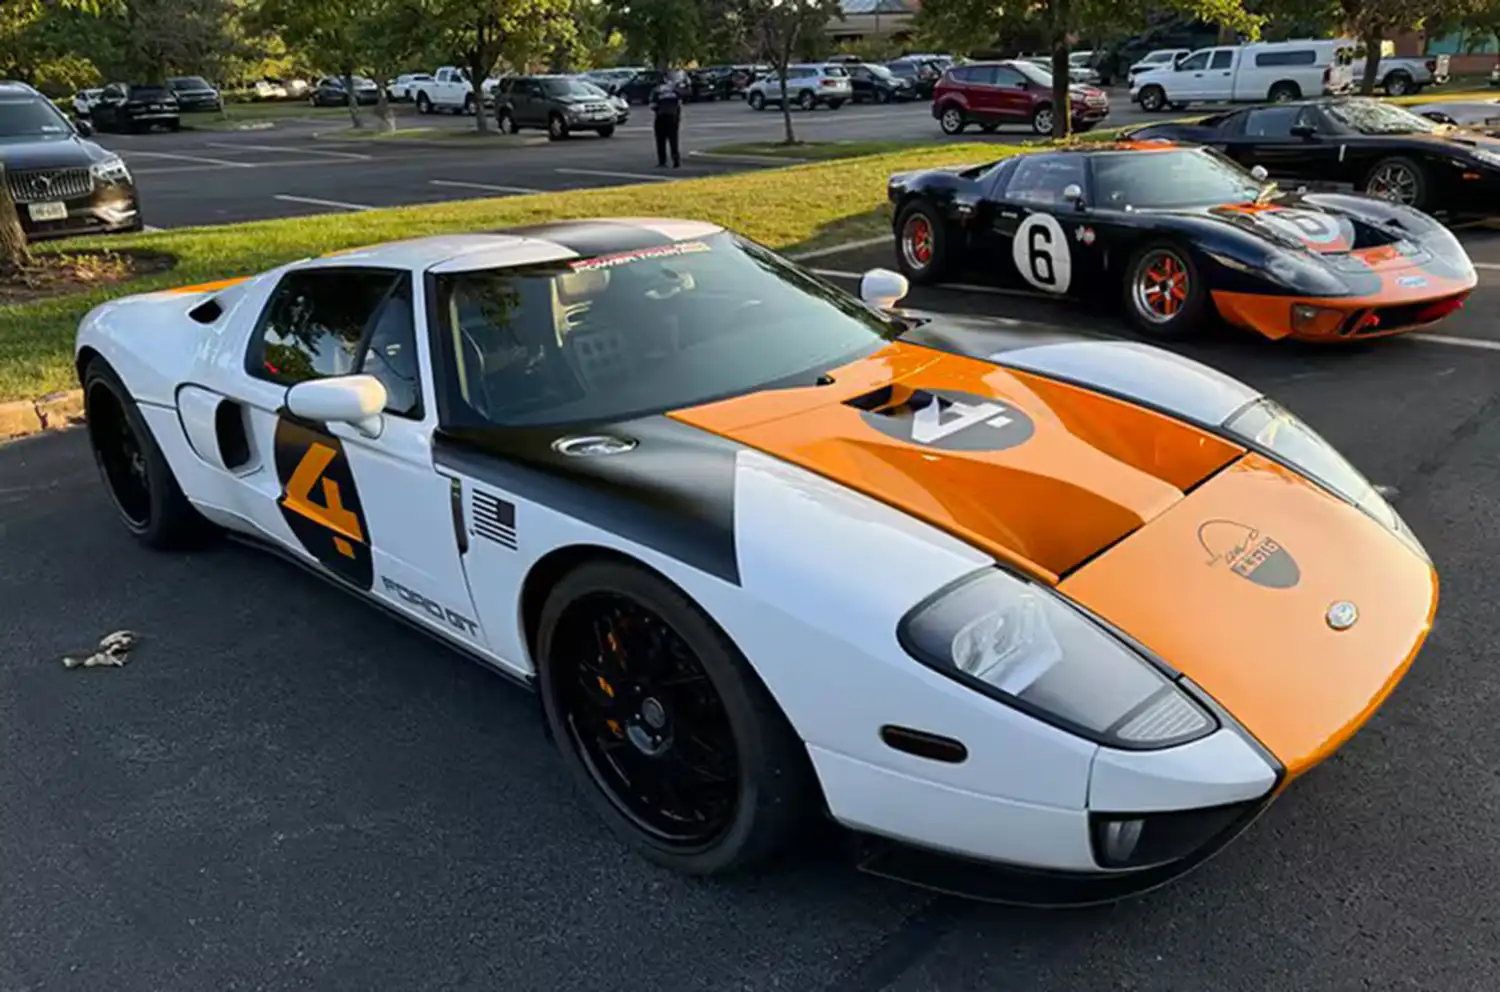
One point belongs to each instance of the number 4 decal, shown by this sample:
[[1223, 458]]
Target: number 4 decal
[[1040, 251], [320, 502]]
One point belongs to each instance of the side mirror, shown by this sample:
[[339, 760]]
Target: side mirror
[[1260, 174], [882, 288], [1303, 131], [1073, 193], [84, 128], [349, 399]]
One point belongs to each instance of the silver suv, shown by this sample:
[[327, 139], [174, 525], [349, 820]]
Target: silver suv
[[807, 86], [561, 104]]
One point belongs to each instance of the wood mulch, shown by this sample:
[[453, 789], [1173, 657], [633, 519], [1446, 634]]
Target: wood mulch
[[62, 273]]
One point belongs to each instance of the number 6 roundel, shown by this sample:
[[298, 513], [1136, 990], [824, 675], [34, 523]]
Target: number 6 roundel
[[1040, 250]]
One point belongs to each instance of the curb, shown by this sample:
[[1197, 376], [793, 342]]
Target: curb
[[755, 159], [54, 412]]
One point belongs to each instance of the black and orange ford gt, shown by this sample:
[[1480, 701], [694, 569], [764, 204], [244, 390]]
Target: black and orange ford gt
[[1182, 233]]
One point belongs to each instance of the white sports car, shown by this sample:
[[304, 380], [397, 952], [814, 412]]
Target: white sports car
[[1039, 617]]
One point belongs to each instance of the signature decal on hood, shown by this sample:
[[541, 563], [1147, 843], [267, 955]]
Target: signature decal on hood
[[941, 418], [1248, 553]]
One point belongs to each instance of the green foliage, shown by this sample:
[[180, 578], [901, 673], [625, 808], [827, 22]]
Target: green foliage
[[662, 33]]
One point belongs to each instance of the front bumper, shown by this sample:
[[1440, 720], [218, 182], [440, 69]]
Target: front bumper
[[1344, 318], [110, 209]]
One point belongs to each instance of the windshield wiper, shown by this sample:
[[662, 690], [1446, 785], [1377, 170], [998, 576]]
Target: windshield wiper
[[1267, 191]]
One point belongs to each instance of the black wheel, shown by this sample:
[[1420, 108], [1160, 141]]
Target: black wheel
[[665, 726], [1283, 92], [557, 128], [1153, 99], [175, 125], [1398, 83], [921, 244], [1164, 294], [952, 120], [469, 104], [807, 100], [1041, 120], [757, 100], [506, 123], [1399, 180], [135, 472], [608, 131]]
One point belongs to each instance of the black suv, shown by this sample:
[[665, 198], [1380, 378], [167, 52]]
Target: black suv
[[878, 84], [62, 184], [194, 93], [136, 107]]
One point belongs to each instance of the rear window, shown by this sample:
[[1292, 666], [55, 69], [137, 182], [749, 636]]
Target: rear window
[[1301, 56], [834, 70]]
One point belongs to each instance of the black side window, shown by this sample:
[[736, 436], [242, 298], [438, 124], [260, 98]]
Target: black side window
[[1041, 179], [1222, 60], [322, 322], [1271, 122], [1305, 56]]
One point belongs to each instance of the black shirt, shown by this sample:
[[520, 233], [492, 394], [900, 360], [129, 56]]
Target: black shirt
[[666, 101]]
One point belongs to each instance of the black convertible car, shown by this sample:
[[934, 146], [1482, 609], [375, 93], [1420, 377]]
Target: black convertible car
[[1375, 147]]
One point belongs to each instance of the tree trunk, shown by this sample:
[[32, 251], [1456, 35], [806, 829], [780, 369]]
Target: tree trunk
[[477, 71], [786, 98], [383, 109], [1372, 42], [1062, 100], [15, 254], [352, 98]]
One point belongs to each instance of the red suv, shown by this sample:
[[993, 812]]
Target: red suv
[[993, 93]]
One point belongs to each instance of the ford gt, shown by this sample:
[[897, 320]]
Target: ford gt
[[1181, 234], [1060, 614]]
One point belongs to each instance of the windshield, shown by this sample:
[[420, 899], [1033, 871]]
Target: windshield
[[881, 71], [189, 83], [31, 116], [625, 335], [1179, 178], [570, 87], [1378, 117]]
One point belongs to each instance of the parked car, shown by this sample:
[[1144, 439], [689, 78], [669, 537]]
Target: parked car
[[1274, 71], [708, 83], [559, 104], [62, 184], [452, 90], [741, 76], [1161, 58], [810, 86], [1402, 75], [194, 93], [269, 89], [638, 88], [400, 89], [921, 73], [1167, 31], [136, 107], [877, 84], [1081, 67], [1476, 115], [330, 92], [1011, 92], [610, 80], [84, 100]]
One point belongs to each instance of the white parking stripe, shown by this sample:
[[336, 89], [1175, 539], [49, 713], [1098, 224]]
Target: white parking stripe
[[1491, 266], [321, 203], [485, 186], [191, 158], [615, 175], [1479, 343], [291, 150], [149, 229]]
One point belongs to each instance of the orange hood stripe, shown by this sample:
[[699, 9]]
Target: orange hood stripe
[[1038, 473], [208, 287]]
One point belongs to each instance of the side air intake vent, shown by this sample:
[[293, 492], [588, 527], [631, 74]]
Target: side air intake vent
[[207, 312]]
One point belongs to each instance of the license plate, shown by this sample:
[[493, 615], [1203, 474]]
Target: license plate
[[47, 211]]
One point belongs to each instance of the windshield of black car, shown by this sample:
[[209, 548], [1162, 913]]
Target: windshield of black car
[[639, 332], [189, 83], [31, 116], [1164, 179], [1379, 117], [570, 87]]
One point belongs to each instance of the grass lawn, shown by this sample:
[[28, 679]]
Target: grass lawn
[[796, 208]]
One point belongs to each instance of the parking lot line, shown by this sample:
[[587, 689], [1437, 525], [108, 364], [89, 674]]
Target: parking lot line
[[294, 150], [485, 186], [131, 153], [321, 203], [615, 175], [1492, 266], [1479, 343]]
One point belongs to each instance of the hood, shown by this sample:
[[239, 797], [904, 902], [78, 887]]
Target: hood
[[63, 151], [1319, 226], [1235, 587], [1038, 473], [1459, 140]]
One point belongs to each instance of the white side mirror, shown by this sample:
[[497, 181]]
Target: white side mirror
[[882, 288], [349, 399], [1073, 193], [1260, 174]]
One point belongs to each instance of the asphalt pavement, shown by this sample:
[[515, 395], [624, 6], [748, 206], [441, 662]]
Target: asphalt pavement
[[285, 790], [215, 177]]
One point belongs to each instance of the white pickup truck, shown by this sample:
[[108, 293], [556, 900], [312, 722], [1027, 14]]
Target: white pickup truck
[[449, 89], [1400, 75]]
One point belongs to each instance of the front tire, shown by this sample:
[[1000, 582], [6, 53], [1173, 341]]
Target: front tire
[[607, 131], [665, 726], [424, 104], [469, 105], [1165, 296], [1041, 120], [136, 475], [952, 120]]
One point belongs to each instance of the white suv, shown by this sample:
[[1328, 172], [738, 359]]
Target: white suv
[[807, 87]]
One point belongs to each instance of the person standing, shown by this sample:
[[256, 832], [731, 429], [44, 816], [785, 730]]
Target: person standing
[[666, 101]]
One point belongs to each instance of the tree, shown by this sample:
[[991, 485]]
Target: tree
[[662, 32], [340, 33], [779, 28], [479, 33], [1373, 21]]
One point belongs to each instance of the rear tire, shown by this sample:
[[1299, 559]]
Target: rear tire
[[1399, 180], [757, 100], [1153, 99], [1399, 83], [807, 100], [1283, 92], [921, 244], [557, 128], [616, 726], [136, 475], [1041, 120], [1165, 297], [506, 123]]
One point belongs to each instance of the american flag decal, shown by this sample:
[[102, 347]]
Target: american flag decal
[[495, 519]]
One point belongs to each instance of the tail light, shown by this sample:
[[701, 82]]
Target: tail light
[[830, 82], [1431, 65]]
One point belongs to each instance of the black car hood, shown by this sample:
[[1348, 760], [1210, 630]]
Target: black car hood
[[1458, 141], [62, 151], [1325, 225]]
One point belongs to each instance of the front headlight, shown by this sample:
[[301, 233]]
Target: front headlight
[[111, 170], [1026, 647], [1267, 425], [1305, 275]]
